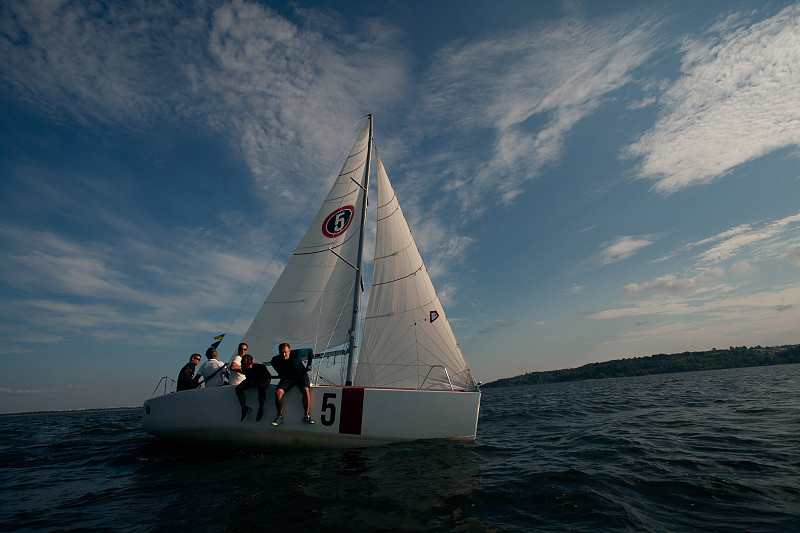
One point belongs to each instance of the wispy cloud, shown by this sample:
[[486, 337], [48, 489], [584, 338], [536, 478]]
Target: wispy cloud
[[278, 89], [702, 324], [522, 93], [62, 58], [498, 324], [794, 255], [623, 248], [576, 289], [670, 284], [288, 88], [736, 101], [734, 306], [101, 290], [704, 290], [6, 390], [762, 239]]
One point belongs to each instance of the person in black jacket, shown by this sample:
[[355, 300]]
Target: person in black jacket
[[289, 366], [256, 375], [186, 379]]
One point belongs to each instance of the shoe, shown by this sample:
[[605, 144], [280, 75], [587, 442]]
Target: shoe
[[278, 420], [307, 420], [260, 414], [245, 411]]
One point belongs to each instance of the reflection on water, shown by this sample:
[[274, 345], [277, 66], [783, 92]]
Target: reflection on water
[[413, 486]]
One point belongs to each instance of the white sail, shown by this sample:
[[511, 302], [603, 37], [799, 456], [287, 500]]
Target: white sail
[[312, 301], [408, 341]]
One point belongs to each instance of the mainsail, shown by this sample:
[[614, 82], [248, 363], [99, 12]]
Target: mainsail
[[408, 341], [312, 301]]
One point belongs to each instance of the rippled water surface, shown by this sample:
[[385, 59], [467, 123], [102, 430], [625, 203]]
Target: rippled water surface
[[703, 451]]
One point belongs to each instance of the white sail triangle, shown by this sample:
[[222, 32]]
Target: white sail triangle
[[408, 341], [311, 303]]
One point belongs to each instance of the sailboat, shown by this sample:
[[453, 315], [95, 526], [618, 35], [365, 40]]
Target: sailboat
[[407, 380]]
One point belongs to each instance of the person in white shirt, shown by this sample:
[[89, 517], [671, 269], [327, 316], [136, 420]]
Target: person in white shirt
[[212, 370], [235, 376]]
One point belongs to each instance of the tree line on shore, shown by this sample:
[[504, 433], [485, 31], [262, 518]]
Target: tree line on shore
[[733, 357]]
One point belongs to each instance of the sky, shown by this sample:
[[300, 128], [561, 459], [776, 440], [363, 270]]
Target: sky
[[587, 181]]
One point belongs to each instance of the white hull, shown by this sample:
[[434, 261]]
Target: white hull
[[345, 417]]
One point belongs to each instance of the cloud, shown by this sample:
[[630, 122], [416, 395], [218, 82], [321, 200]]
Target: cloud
[[520, 94], [736, 101], [672, 285], [497, 324], [164, 280], [642, 103], [6, 390], [290, 88], [699, 308], [741, 267], [767, 239], [277, 89], [623, 248], [711, 321], [794, 256], [576, 289], [720, 302], [759, 240], [82, 61]]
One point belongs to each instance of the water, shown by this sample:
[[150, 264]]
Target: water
[[704, 451]]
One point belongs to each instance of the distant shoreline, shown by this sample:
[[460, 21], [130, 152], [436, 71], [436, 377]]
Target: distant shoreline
[[62, 411], [715, 359]]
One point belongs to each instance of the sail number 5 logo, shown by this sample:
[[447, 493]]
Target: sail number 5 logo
[[338, 221]]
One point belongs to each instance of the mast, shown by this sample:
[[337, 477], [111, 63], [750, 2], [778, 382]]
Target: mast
[[359, 263]]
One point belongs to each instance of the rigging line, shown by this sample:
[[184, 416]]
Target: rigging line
[[291, 229], [339, 317]]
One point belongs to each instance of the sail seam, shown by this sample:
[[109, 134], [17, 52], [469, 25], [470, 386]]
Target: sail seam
[[398, 279], [350, 172], [394, 196], [397, 207], [329, 248], [357, 153]]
